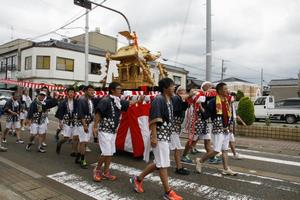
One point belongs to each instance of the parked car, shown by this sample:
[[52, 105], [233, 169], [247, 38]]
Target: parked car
[[264, 107], [4, 96]]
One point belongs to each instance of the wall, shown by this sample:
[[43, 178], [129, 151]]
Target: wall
[[249, 89], [57, 76], [98, 40], [274, 132], [155, 75], [283, 92]]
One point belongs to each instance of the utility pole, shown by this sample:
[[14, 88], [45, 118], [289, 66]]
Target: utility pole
[[86, 47], [261, 81], [223, 71], [208, 41]]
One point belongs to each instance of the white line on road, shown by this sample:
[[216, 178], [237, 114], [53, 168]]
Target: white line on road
[[91, 189], [272, 160], [260, 152], [204, 191]]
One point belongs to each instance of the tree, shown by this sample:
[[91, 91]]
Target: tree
[[240, 94], [246, 110]]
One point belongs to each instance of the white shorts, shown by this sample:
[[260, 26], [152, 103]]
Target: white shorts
[[162, 154], [232, 139], [175, 142], [23, 115], [12, 125], [38, 128], [83, 136], [69, 131], [221, 142], [107, 143], [202, 137]]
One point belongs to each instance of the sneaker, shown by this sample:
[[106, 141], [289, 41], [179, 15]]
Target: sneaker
[[3, 149], [41, 150], [195, 151], [109, 177], [23, 128], [44, 144], [213, 161], [182, 171], [228, 171], [137, 185], [219, 159], [73, 154], [198, 165], [4, 141], [58, 148], [87, 149], [97, 175], [83, 164], [28, 147], [237, 156], [20, 141], [172, 196], [186, 159]]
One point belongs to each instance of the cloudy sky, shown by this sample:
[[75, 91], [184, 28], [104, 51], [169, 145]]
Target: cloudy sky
[[248, 34]]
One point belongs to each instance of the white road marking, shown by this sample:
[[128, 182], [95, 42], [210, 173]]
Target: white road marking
[[93, 190], [251, 175], [260, 152], [203, 191], [265, 159]]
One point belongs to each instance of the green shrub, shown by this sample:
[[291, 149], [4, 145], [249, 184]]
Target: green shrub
[[268, 121], [240, 94], [246, 110]]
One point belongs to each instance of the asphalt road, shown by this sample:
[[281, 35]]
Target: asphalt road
[[262, 175]]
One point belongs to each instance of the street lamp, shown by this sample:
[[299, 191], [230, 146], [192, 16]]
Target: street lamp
[[88, 4]]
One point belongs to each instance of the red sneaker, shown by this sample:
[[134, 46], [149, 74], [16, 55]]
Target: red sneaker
[[172, 196], [136, 184], [97, 175], [108, 176]]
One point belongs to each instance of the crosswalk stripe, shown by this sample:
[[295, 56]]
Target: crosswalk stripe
[[86, 187], [260, 152], [178, 184], [265, 159]]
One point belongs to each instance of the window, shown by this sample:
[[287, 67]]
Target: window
[[270, 99], [95, 68], [177, 80], [43, 62], [28, 62], [64, 64], [260, 101], [292, 103]]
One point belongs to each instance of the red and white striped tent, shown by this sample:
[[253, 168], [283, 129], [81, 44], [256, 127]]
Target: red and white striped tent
[[32, 84]]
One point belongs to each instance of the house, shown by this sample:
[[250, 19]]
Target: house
[[97, 40], [284, 88], [249, 89], [178, 74], [193, 83]]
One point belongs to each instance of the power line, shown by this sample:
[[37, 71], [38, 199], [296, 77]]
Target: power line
[[57, 29]]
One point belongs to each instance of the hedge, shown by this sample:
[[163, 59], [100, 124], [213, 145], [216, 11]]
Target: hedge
[[246, 110]]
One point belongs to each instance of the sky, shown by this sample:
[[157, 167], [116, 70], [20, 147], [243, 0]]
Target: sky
[[249, 35]]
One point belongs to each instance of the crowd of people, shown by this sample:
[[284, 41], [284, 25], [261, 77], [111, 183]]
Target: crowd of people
[[173, 112]]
